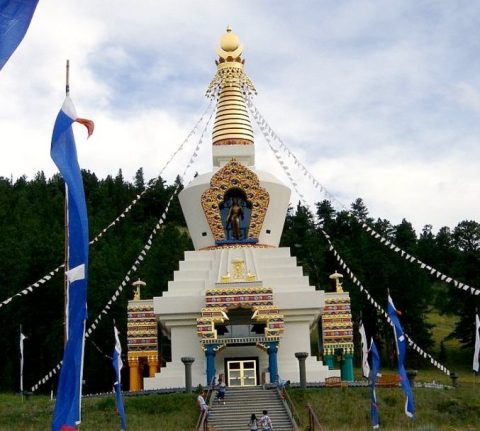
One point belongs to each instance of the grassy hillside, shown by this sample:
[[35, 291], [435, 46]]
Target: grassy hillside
[[345, 409], [456, 357], [150, 412], [337, 409]]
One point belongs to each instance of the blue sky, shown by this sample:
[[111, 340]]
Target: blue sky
[[379, 99]]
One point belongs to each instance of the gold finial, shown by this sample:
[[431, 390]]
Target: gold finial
[[337, 277], [232, 124], [137, 284], [230, 48], [229, 42]]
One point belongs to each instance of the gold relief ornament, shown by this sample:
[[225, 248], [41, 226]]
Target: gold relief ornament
[[225, 278], [238, 270], [338, 284], [235, 175], [137, 285]]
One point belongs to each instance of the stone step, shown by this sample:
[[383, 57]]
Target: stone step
[[240, 403]]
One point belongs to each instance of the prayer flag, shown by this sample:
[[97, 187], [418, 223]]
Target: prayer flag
[[363, 338], [67, 413], [401, 344], [22, 337], [117, 366], [15, 17], [476, 353], [375, 369]]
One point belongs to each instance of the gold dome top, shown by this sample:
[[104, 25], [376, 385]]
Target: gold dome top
[[230, 48], [229, 41]]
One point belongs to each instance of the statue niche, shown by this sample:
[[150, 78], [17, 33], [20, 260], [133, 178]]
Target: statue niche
[[235, 213], [235, 184]]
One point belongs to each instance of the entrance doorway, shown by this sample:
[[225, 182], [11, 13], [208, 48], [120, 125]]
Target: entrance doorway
[[242, 372]]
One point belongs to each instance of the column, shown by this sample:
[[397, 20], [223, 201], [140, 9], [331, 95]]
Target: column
[[210, 357], [301, 356], [188, 361], [329, 361], [272, 361], [135, 377], [347, 367], [152, 366]]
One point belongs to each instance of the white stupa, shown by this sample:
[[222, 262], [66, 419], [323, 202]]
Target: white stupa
[[239, 304]]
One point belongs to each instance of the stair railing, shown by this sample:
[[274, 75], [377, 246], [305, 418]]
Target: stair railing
[[290, 407], [202, 422], [313, 422]]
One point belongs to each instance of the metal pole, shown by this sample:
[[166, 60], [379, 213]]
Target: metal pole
[[67, 79], [21, 362], [65, 279]]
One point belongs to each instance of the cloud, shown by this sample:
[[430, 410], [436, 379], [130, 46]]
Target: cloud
[[379, 102]]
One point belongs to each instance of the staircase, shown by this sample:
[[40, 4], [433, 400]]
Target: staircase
[[240, 403]]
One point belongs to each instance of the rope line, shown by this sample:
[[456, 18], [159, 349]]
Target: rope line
[[382, 311], [99, 350], [151, 183], [137, 263], [355, 280], [269, 134]]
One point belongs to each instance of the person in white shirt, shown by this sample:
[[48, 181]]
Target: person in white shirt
[[253, 423], [266, 422], [201, 402]]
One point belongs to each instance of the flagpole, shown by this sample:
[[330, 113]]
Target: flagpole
[[477, 329], [67, 79], [21, 363], [65, 216]]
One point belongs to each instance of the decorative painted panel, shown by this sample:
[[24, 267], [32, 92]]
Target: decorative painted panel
[[235, 175], [337, 325]]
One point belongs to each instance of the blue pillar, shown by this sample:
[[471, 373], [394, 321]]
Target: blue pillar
[[347, 368], [329, 361], [272, 361], [210, 356]]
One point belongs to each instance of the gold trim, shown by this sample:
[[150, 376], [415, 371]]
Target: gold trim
[[214, 247], [235, 175]]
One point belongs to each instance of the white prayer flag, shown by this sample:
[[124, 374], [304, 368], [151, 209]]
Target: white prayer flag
[[476, 365], [365, 365], [22, 337]]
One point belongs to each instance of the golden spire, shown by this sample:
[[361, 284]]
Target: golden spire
[[232, 124]]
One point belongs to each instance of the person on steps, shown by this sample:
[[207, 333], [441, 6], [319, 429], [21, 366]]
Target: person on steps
[[266, 422], [221, 388], [202, 403], [253, 424]]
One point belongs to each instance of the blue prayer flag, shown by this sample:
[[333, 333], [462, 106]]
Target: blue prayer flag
[[401, 343], [15, 17], [67, 413], [375, 357], [117, 366]]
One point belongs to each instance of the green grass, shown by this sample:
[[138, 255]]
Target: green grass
[[337, 409], [457, 357], [146, 413], [349, 408]]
